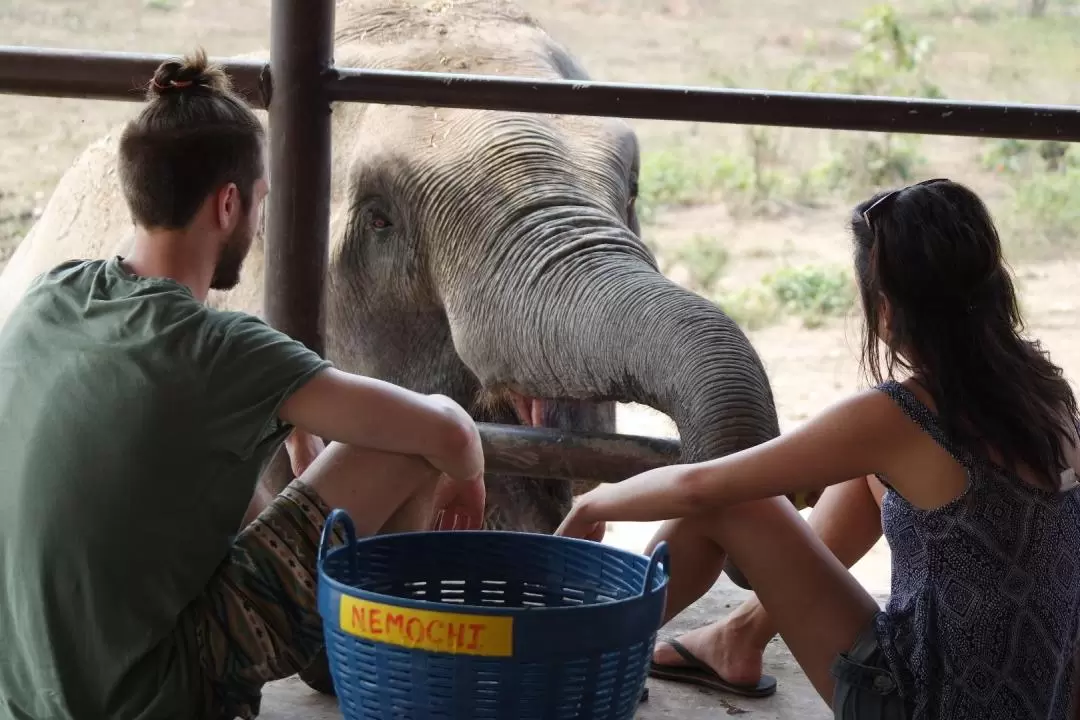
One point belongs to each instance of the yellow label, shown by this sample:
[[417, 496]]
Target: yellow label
[[487, 635]]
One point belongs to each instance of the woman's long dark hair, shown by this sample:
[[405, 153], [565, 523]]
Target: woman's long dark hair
[[931, 253]]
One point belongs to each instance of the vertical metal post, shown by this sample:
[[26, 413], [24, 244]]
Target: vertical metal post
[[298, 212], [298, 208]]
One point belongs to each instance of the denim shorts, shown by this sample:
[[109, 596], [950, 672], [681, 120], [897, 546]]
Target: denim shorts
[[865, 687]]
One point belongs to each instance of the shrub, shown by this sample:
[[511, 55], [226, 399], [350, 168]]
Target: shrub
[[813, 293]]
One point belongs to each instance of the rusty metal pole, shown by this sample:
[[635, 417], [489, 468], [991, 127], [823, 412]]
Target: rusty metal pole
[[828, 111], [96, 75], [547, 453], [298, 212], [298, 208]]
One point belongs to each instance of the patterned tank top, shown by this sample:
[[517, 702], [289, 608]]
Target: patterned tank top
[[985, 605]]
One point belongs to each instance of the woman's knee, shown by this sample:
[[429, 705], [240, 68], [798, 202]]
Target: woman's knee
[[686, 530], [877, 489]]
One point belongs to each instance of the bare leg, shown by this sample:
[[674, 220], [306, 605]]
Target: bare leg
[[382, 492], [815, 604], [847, 519], [259, 611]]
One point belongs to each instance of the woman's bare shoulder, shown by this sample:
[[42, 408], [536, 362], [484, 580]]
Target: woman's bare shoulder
[[920, 392], [868, 423]]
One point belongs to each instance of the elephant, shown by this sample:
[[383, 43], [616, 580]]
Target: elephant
[[493, 257]]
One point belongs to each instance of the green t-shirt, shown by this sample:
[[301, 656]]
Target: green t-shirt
[[134, 423]]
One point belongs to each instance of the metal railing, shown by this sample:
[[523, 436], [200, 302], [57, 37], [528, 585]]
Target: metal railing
[[122, 76]]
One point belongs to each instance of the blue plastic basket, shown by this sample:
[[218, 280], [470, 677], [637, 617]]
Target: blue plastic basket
[[484, 625]]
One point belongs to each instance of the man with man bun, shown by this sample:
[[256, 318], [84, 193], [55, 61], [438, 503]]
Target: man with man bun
[[135, 421]]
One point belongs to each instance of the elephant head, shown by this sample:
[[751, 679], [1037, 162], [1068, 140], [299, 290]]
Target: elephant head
[[496, 257]]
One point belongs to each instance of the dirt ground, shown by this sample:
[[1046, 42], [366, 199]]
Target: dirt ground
[[680, 41]]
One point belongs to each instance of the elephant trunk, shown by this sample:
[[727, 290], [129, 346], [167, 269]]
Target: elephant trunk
[[689, 360], [588, 315]]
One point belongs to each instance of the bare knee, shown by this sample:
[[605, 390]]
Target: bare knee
[[351, 465], [877, 489], [416, 513], [372, 486], [687, 532]]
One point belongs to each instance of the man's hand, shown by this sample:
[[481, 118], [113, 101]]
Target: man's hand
[[303, 448], [370, 413], [461, 495], [463, 458], [459, 505]]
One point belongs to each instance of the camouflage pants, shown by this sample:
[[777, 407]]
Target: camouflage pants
[[258, 619]]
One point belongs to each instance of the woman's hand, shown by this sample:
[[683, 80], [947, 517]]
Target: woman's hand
[[577, 523], [852, 438], [660, 494]]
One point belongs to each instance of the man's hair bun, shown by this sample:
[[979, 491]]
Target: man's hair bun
[[193, 73]]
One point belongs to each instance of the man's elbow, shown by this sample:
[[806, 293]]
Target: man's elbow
[[456, 429]]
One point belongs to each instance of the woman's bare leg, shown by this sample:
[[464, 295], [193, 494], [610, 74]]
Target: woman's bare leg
[[816, 605], [847, 519]]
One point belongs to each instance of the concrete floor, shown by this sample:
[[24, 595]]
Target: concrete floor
[[795, 699]]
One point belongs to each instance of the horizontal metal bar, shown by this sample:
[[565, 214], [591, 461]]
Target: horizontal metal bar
[[92, 75], [122, 76], [700, 104], [600, 457]]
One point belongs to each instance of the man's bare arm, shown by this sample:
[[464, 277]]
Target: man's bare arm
[[370, 413]]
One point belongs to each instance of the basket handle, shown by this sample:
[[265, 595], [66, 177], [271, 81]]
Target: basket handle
[[336, 515], [659, 557]]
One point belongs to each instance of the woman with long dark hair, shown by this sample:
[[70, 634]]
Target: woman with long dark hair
[[972, 429]]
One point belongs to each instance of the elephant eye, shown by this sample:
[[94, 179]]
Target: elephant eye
[[379, 220]]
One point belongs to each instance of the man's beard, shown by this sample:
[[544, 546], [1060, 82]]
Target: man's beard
[[231, 259]]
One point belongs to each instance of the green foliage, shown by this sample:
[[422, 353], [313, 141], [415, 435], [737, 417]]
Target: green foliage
[[769, 182], [680, 176], [1046, 212], [812, 293], [752, 307], [865, 160], [1029, 156], [705, 260], [688, 175], [891, 61], [756, 178], [1044, 177]]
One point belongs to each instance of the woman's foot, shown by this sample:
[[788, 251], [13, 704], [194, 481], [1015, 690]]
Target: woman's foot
[[725, 655]]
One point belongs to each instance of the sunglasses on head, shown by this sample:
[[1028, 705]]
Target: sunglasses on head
[[880, 203]]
